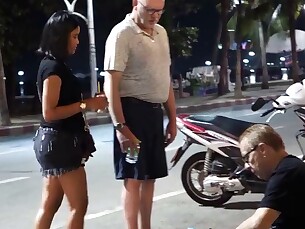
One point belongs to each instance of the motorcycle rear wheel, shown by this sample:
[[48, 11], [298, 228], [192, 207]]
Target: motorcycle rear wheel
[[196, 162]]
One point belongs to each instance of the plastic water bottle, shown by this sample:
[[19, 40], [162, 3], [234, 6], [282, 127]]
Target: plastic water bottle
[[131, 158]]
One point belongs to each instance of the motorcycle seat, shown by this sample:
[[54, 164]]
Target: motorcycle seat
[[221, 124]]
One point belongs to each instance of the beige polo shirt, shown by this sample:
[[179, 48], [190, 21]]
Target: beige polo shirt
[[144, 61]]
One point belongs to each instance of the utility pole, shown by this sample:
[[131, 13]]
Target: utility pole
[[92, 50]]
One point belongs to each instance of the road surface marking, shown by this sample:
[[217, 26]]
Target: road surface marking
[[278, 127], [103, 213], [248, 114], [13, 180], [14, 151], [120, 208], [172, 148], [168, 195]]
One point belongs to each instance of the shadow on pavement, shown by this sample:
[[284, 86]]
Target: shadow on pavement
[[242, 205]]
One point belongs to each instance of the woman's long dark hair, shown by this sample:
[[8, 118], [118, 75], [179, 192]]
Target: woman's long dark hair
[[56, 33]]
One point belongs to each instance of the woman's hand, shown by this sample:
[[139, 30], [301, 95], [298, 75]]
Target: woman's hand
[[97, 103]]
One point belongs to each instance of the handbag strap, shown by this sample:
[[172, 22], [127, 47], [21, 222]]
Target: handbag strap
[[86, 127]]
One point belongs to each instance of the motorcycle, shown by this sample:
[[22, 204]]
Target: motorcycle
[[211, 177]]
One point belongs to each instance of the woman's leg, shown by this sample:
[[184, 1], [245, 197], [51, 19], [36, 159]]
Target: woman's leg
[[52, 195], [74, 184]]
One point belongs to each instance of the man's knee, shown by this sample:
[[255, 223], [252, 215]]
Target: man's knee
[[80, 208]]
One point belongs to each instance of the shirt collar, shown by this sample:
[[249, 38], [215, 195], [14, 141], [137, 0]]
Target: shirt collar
[[136, 28]]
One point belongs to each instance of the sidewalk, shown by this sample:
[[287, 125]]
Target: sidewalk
[[28, 124]]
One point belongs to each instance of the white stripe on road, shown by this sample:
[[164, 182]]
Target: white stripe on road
[[168, 195], [172, 148], [103, 213], [13, 180], [248, 114], [278, 127], [120, 208], [14, 151]]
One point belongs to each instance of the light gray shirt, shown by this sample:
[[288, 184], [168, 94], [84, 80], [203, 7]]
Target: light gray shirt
[[143, 59]]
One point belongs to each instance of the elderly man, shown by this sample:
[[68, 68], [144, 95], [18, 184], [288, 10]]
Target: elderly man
[[137, 62], [264, 152]]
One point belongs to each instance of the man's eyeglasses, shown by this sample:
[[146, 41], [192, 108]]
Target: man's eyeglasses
[[152, 11], [246, 156]]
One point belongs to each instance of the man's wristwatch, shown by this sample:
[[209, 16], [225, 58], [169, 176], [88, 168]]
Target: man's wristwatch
[[119, 126], [83, 105]]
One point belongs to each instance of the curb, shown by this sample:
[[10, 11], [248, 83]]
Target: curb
[[31, 128]]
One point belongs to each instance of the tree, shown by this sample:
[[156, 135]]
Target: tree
[[223, 38], [291, 8], [257, 24], [262, 16], [237, 23], [262, 43], [181, 38], [265, 14], [19, 33], [288, 12], [4, 113]]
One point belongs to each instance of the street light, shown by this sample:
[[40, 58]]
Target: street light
[[251, 53], [92, 50], [208, 63], [20, 73], [246, 61]]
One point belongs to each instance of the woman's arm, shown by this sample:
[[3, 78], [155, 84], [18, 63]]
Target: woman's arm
[[50, 95]]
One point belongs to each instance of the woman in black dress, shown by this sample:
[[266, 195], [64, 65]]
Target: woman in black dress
[[62, 143]]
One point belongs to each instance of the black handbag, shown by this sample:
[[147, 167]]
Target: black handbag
[[88, 145]]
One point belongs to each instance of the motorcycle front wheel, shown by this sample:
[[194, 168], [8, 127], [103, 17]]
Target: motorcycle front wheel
[[193, 166]]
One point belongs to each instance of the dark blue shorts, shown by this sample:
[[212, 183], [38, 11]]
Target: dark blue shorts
[[59, 152], [145, 120]]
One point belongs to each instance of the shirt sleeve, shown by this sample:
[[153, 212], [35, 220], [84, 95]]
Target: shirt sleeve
[[49, 69], [277, 192], [116, 51], [168, 46]]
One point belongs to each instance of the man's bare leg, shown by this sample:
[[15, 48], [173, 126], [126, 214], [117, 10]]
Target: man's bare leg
[[131, 202], [147, 194]]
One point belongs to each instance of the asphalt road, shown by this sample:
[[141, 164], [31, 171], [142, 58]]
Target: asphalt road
[[20, 184]]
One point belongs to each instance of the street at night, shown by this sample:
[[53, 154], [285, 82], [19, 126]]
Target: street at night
[[67, 66], [20, 184]]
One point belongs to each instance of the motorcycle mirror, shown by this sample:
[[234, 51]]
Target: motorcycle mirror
[[258, 104]]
